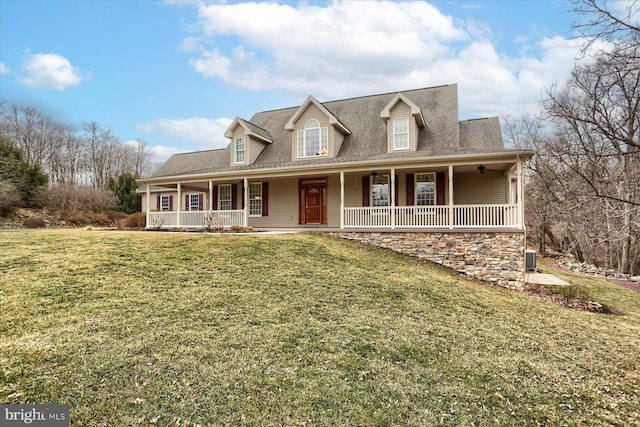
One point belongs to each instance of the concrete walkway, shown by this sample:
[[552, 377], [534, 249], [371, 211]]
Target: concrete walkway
[[544, 279]]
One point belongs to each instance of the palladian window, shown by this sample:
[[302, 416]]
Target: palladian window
[[313, 140]]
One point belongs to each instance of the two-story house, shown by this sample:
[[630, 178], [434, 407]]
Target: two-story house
[[397, 162]]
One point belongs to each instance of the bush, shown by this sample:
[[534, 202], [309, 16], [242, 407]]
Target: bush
[[115, 217], [35, 223], [136, 220], [69, 200], [100, 219], [9, 198]]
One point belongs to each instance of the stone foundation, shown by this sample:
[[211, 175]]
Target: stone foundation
[[496, 257]]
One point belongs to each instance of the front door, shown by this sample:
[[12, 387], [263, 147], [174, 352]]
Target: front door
[[313, 204]]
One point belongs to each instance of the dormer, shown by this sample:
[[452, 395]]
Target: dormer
[[247, 141], [316, 132], [403, 119]]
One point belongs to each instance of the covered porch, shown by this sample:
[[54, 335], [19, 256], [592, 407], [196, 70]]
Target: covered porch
[[380, 197]]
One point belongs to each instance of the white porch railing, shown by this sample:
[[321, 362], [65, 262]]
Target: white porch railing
[[196, 219], [441, 216]]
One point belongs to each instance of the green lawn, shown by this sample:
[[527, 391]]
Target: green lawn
[[157, 329]]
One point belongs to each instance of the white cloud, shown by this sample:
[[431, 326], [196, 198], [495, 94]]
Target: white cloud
[[203, 134], [162, 153], [4, 69], [347, 48], [51, 71]]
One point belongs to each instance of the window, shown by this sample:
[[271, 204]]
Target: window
[[255, 199], [239, 150], [194, 202], [401, 134], [313, 140], [380, 191], [224, 198], [425, 189], [165, 203]]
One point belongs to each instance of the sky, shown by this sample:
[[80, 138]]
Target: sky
[[176, 73]]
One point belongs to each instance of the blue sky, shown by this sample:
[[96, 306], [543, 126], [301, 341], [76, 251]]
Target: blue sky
[[176, 73]]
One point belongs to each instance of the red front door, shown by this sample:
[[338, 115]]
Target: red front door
[[313, 204]]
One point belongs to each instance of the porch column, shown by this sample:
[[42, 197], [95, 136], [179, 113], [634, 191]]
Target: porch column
[[341, 200], [246, 202], [520, 191], [451, 216], [148, 205], [210, 195], [393, 198], [179, 204]]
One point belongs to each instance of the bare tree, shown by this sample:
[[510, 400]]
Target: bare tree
[[597, 117], [612, 21]]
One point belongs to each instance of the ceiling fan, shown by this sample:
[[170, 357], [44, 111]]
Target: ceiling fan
[[483, 168]]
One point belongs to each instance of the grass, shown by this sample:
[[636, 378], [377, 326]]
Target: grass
[[141, 328]]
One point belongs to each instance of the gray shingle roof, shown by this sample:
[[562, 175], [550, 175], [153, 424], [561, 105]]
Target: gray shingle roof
[[442, 134]]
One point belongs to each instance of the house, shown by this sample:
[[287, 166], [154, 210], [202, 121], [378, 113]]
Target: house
[[397, 164]]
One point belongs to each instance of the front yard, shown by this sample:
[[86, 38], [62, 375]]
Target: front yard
[[144, 328]]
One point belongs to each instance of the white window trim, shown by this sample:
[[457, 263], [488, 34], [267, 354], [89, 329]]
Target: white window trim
[[415, 190], [395, 134], [302, 140], [162, 204], [220, 199], [253, 199], [236, 151], [191, 204]]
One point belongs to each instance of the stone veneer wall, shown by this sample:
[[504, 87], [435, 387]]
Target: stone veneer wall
[[496, 257]]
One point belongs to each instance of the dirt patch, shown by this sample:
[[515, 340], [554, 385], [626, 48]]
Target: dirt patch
[[546, 294], [634, 286]]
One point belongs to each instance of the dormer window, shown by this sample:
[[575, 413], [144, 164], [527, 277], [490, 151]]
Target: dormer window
[[239, 150], [313, 140], [401, 134]]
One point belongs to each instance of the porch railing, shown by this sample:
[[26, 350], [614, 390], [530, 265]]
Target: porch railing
[[457, 216], [196, 219]]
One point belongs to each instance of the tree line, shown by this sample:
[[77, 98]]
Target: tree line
[[583, 184], [90, 158]]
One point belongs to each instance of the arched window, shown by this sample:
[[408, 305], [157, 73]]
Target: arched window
[[313, 140]]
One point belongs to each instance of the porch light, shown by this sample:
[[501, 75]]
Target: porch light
[[374, 174], [481, 168]]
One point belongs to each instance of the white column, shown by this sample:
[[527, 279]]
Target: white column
[[341, 200], [179, 205], [451, 216], [393, 198], [148, 220], [246, 202], [210, 195], [520, 192]]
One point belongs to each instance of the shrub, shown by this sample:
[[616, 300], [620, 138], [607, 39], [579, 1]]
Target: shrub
[[115, 216], [9, 198], [89, 218], [136, 220], [69, 200], [35, 223]]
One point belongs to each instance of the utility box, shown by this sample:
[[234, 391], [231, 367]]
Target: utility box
[[529, 260]]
